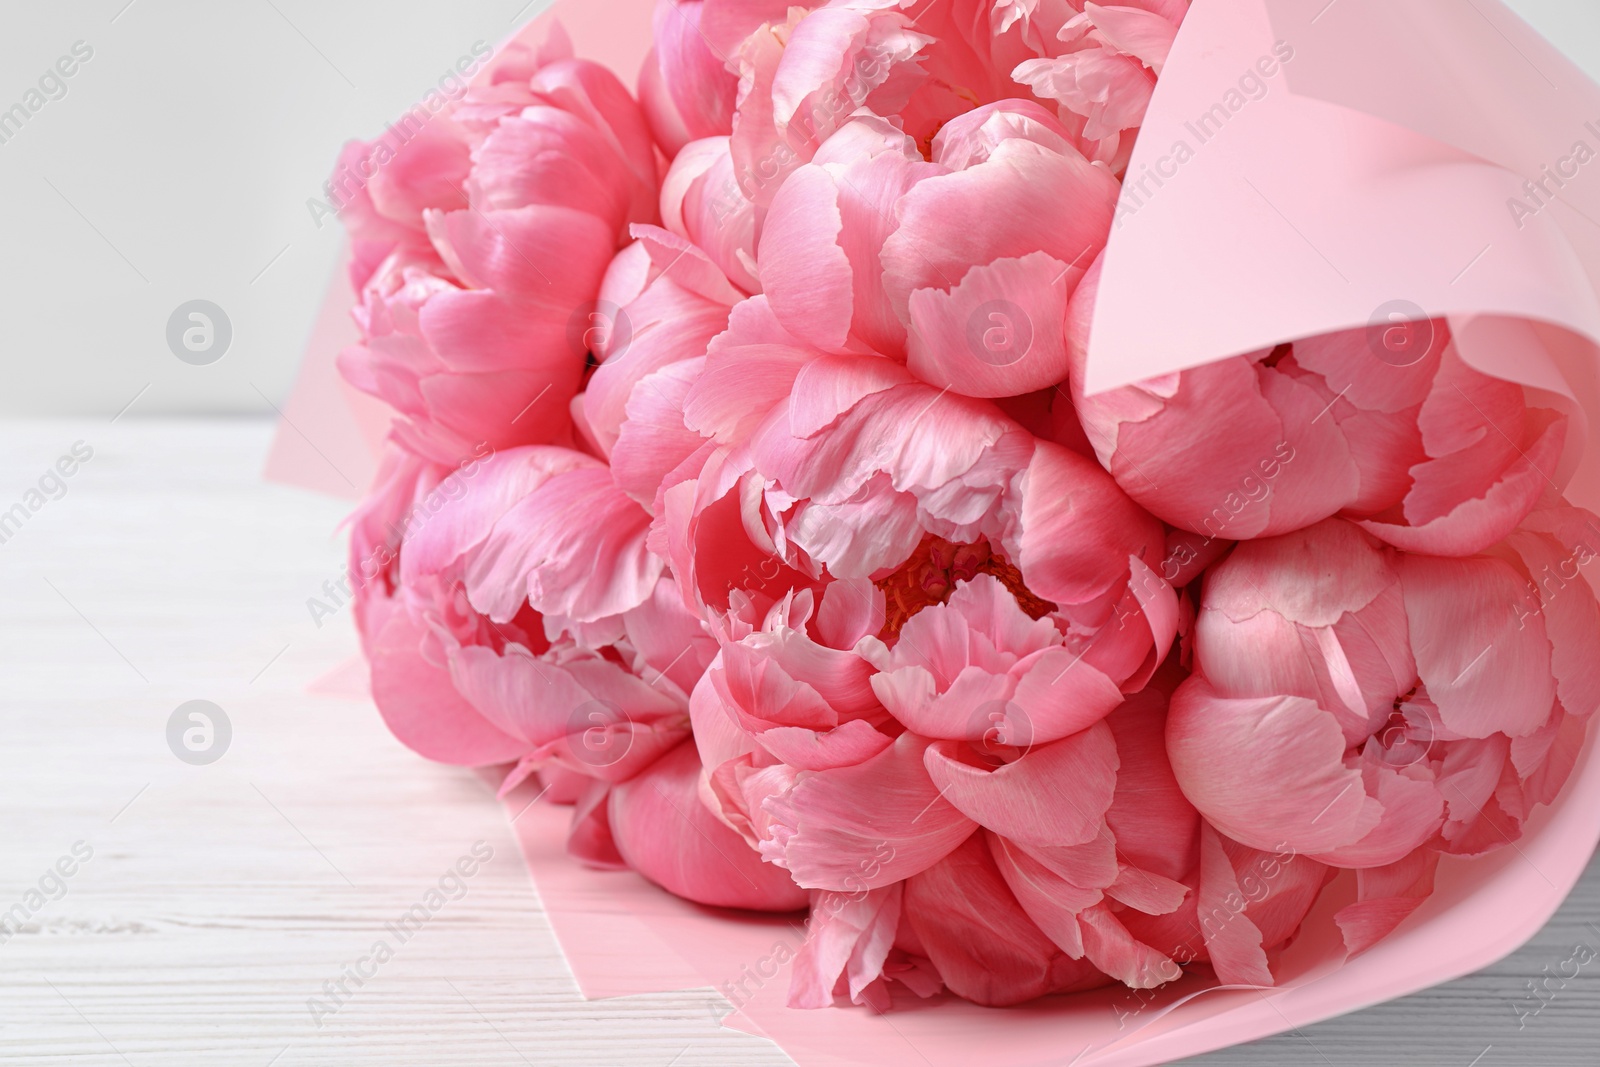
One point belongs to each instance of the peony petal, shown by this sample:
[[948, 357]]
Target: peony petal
[[422, 708], [996, 333], [575, 548], [1267, 771], [589, 839], [653, 440], [1478, 522], [1055, 794], [865, 826], [1480, 644], [1155, 826], [1053, 903], [456, 518], [848, 936], [1413, 811], [1570, 612], [502, 252], [1385, 896], [663, 831], [984, 945], [1112, 949], [1233, 942], [804, 273], [847, 744], [1078, 529]]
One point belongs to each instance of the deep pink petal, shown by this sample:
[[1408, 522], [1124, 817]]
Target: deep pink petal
[[423, 709], [865, 826], [1487, 669], [984, 945], [667, 835]]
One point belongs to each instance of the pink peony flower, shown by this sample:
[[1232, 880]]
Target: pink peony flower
[[496, 635], [1102, 68], [527, 624], [869, 248], [470, 329], [1414, 445], [907, 583], [802, 77], [1365, 705], [1043, 869]]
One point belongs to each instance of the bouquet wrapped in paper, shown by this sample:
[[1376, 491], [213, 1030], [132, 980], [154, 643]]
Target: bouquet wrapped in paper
[[1082, 501]]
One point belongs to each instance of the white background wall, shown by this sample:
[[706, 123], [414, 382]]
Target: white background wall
[[178, 165]]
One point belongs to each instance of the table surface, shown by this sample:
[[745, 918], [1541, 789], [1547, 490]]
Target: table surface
[[219, 899]]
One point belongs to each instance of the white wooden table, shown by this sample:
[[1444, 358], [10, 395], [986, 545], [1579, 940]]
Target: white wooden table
[[219, 899]]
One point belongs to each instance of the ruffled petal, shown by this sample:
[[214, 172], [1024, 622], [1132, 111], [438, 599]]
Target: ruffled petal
[[1055, 794], [864, 826]]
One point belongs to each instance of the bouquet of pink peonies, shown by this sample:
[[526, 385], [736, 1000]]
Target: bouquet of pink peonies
[[779, 477]]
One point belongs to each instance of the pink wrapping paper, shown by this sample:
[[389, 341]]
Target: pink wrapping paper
[[622, 936], [1379, 165]]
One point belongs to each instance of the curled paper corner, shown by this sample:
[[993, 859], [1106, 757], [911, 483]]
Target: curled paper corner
[[1301, 173]]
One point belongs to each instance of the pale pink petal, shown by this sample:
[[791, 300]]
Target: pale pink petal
[[575, 548], [1570, 612], [1413, 811], [701, 90], [653, 440], [1279, 888], [805, 275], [847, 744], [1055, 794], [589, 838], [1112, 949], [996, 333], [1053, 903], [1478, 522], [1233, 942], [1077, 529], [1267, 771], [1145, 35], [848, 938], [829, 386], [1038, 200], [665, 325], [504, 251], [1384, 897], [1154, 824], [456, 518], [1062, 694]]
